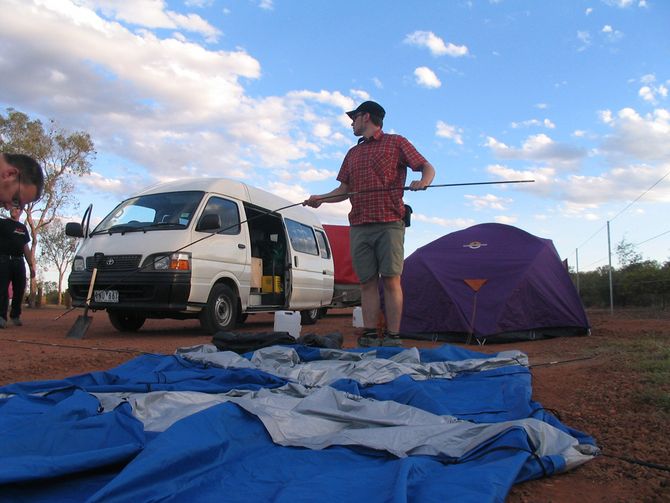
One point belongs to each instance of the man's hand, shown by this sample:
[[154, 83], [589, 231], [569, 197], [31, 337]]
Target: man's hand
[[313, 202], [32, 271], [418, 185]]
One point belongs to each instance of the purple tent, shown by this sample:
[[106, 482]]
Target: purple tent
[[490, 280]]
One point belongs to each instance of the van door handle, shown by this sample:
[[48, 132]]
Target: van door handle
[[241, 246], [295, 260]]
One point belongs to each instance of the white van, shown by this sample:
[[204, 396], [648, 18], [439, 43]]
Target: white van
[[216, 249]]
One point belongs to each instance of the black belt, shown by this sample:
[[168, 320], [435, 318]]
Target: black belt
[[13, 257]]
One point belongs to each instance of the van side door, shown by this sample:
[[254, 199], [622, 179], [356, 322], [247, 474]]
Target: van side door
[[311, 285]]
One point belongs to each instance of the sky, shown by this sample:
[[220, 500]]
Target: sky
[[572, 94]]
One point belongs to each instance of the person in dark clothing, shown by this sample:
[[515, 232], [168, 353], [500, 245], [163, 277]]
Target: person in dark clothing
[[14, 239]]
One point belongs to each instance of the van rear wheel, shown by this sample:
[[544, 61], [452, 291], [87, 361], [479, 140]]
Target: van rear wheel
[[309, 317], [220, 313], [126, 321]]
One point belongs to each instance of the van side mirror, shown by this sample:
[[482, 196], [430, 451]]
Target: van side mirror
[[74, 230], [210, 222]]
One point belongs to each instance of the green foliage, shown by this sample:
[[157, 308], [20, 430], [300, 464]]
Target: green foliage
[[637, 283], [627, 254]]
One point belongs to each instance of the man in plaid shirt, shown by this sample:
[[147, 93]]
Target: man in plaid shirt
[[373, 176]]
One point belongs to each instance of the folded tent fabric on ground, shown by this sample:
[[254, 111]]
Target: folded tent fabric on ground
[[284, 423]]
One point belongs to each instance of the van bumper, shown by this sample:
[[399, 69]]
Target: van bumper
[[138, 291]]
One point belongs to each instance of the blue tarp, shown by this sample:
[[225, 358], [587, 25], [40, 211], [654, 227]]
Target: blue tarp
[[59, 444]]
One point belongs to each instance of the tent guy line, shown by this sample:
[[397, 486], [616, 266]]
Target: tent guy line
[[72, 346], [137, 351]]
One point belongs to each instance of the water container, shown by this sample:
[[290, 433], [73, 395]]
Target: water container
[[358, 317], [288, 321]]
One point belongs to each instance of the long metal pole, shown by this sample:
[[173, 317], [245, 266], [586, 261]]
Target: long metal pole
[[464, 184], [609, 254]]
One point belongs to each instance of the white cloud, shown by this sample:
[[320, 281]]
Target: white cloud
[[579, 211], [489, 201], [198, 3], [445, 130], [537, 147], [584, 38], [641, 137], [611, 34], [435, 44], [165, 104], [151, 14], [622, 4], [425, 77], [266, 4], [650, 91], [503, 219], [315, 175], [457, 223], [605, 116], [534, 122]]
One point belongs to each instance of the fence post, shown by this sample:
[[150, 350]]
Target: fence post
[[609, 254], [577, 266]]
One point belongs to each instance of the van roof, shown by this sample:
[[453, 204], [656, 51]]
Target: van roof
[[237, 190]]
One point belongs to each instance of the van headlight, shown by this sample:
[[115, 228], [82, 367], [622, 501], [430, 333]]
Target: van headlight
[[168, 262], [78, 264]]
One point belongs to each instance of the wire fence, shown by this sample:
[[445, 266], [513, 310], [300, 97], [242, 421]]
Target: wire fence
[[625, 264]]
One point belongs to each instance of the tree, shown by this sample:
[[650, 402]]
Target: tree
[[58, 249], [627, 254], [63, 156]]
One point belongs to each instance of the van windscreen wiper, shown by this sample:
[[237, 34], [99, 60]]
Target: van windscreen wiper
[[165, 225], [122, 228]]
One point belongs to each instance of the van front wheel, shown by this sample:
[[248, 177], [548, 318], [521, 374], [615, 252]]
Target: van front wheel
[[220, 313], [126, 321]]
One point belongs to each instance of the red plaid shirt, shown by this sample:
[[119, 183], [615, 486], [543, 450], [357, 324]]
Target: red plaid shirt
[[379, 162]]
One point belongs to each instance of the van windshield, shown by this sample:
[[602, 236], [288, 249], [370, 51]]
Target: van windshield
[[170, 210]]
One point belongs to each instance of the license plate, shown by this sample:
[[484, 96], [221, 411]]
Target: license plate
[[111, 296]]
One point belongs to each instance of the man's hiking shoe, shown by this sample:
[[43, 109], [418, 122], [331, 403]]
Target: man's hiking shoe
[[17, 322], [3, 323], [368, 338], [391, 340]]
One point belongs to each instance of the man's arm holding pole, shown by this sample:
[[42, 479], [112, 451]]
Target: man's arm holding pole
[[334, 196], [427, 175]]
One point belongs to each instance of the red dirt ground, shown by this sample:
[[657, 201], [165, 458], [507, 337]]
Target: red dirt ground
[[592, 387]]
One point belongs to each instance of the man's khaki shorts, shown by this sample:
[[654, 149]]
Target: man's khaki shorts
[[378, 249]]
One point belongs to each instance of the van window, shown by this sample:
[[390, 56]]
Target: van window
[[228, 213], [323, 244], [302, 237], [169, 210]]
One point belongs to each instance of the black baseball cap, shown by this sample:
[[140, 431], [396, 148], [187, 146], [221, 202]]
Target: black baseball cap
[[369, 107]]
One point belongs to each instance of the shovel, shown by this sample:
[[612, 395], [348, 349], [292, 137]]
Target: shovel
[[81, 324]]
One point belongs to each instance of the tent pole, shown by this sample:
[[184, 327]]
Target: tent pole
[[609, 254]]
